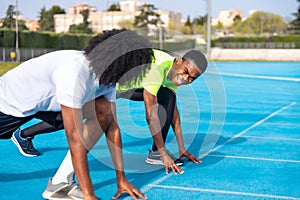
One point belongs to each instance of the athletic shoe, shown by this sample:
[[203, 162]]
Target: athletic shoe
[[63, 191], [24, 145], [154, 158]]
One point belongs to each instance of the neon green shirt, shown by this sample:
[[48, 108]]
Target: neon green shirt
[[157, 75]]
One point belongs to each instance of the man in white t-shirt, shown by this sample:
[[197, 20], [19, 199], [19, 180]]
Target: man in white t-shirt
[[75, 91]]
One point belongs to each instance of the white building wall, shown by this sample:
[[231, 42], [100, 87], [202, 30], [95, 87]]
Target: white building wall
[[100, 21], [63, 22]]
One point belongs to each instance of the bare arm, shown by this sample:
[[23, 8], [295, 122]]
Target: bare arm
[[114, 142], [106, 115], [176, 126], [73, 123], [155, 129]]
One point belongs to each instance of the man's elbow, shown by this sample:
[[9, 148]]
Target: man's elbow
[[148, 119]]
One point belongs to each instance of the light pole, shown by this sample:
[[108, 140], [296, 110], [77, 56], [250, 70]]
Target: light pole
[[208, 29], [160, 37], [17, 33]]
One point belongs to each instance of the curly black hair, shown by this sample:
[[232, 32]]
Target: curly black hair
[[120, 56], [199, 59]]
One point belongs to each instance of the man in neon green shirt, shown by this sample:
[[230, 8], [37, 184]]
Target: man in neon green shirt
[[159, 87]]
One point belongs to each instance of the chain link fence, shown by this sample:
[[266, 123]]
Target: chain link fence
[[10, 54], [256, 45]]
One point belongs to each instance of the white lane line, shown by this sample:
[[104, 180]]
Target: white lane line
[[249, 128], [223, 192], [273, 138], [255, 158], [149, 186], [257, 76]]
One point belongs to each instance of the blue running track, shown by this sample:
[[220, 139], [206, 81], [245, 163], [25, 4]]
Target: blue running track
[[241, 118]]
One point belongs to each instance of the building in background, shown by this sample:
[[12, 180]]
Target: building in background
[[108, 20], [62, 22], [73, 10], [226, 17], [131, 5], [32, 25]]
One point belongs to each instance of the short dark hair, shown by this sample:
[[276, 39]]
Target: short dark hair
[[119, 56], [198, 58]]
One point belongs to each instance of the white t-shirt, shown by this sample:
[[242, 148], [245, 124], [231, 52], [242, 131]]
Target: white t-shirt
[[46, 82]]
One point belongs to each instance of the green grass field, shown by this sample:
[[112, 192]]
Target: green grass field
[[5, 66]]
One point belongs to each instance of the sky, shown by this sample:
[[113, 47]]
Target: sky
[[194, 8]]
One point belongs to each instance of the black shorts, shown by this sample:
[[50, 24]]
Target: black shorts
[[8, 123]]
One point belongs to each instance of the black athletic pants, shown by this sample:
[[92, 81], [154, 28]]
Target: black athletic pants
[[166, 99], [52, 121]]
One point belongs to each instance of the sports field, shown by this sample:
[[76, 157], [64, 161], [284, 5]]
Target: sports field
[[241, 118]]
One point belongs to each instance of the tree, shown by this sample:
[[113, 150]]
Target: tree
[[188, 26], [265, 22], [219, 26], [296, 22], [198, 25], [128, 24], [82, 27], [10, 19], [188, 22], [200, 20], [86, 13], [237, 24], [46, 20], [79, 28], [147, 17], [114, 7], [237, 18]]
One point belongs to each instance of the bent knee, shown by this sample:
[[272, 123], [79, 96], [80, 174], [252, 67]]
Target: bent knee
[[104, 111]]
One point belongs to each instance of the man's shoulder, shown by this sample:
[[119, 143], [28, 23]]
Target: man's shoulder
[[162, 56]]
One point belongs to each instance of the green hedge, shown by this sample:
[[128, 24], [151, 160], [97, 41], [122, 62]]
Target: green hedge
[[7, 38], [260, 39], [282, 38], [50, 40], [46, 40]]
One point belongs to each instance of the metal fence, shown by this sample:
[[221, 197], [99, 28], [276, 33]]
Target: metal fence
[[256, 45], [10, 54]]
